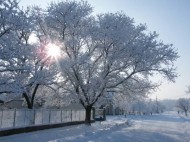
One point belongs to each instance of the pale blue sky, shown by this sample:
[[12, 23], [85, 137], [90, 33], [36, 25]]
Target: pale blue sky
[[169, 18]]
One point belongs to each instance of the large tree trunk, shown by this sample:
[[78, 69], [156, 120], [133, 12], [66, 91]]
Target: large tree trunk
[[28, 102], [186, 113], [88, 115]]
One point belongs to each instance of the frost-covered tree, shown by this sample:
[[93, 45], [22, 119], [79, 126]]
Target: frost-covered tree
[[104, 52], [183, 104], [15, 30], [8, 43], [23, 66], [43, 71], [129, 95], [140, 107], [155, 106], [47, 97]]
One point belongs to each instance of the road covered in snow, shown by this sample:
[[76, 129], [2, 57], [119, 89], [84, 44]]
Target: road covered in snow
[[167, 127]]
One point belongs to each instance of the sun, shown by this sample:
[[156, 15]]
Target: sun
[[53, 50]]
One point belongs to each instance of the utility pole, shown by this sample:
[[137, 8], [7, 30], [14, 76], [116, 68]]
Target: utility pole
[[157, 110]]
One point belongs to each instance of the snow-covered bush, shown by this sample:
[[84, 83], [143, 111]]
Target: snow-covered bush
[[184, 105]]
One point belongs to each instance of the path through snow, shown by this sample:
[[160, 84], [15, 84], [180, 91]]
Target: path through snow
[[155, 128]]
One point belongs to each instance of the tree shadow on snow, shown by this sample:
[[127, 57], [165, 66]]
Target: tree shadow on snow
[[120, 136]]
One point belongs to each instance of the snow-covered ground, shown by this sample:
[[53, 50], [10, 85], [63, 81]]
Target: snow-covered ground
[[167, 127]]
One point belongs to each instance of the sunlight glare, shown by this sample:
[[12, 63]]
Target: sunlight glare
[[53, 50]]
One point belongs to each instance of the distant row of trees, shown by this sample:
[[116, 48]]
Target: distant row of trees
[[138, 105], [99, 53]]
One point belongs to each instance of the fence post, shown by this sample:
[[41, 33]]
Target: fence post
[[2, 119], [79, 115], [61, 116], [49, 116], [34, 117], [74, 115], [104, 114], [14, 118], [93, 113], [42, 115], [71, 114], [75, 112], [24, 117], [65, 116]]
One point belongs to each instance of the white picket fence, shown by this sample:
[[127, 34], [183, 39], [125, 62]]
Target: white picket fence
[[26, 117]]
